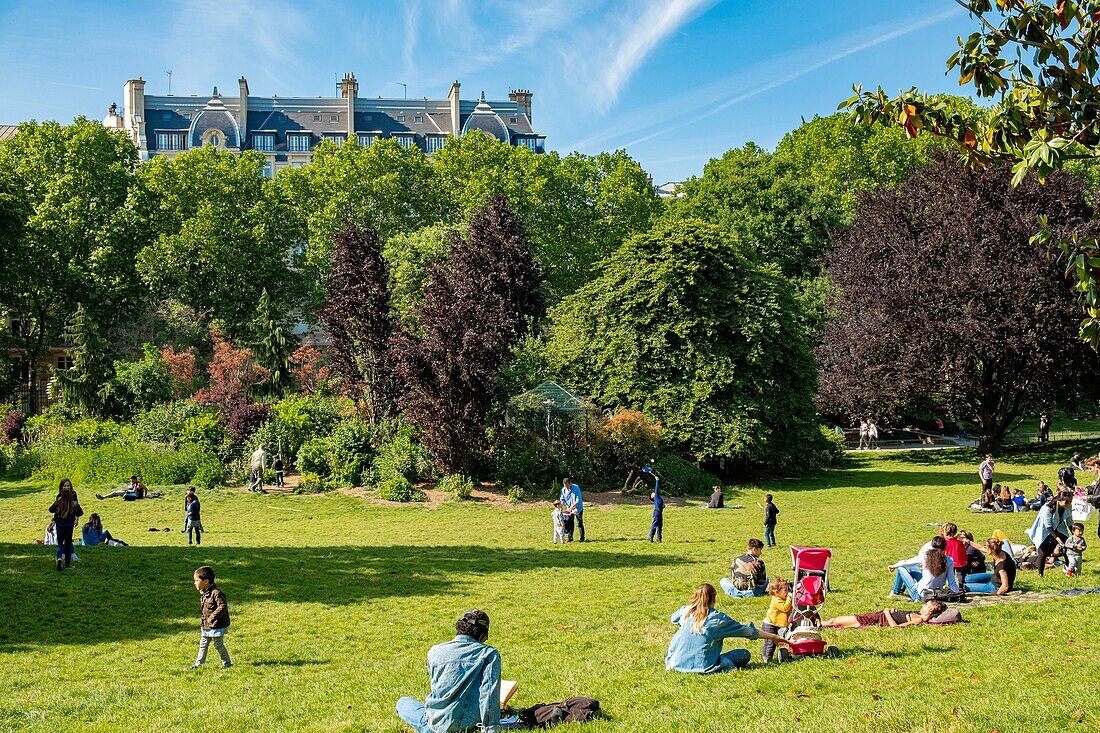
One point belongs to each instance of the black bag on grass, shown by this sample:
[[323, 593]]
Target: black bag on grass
[[569, 710], [946, 595]]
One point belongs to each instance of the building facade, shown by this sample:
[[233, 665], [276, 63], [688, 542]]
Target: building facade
[[288, 129]]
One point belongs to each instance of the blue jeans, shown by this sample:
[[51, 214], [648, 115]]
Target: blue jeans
[[769, 535], [656, 526], [412, 712], [905, 579], [731, 660], [732, 592], [981, 583]]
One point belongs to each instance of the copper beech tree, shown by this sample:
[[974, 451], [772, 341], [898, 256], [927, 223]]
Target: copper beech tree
[[1040, 61], [942, 305], [477, 304]]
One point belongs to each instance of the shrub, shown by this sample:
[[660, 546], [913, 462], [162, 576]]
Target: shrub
[[517, 495], [164, 423], [52, 430], [12, 430], [243, 418], [205, 431], [310, 483], [115, 462], [398, 488], [517, 460], [208, 475], [624, 441], [138, 385], [312, 457], [457, 485], [400, 456], [680, 477]]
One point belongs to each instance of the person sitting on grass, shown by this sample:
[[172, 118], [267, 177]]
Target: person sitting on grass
[[888, 618], [1051, 528], [93, 533], [465, 683], [1001, 579], [697, 644], [1043, 494], [748, 576], [717, 499], [934, 571], [975, 555], [1004, 500]]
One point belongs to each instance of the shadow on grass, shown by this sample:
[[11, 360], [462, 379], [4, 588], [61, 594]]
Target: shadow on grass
[[289, 662], [123, 594]]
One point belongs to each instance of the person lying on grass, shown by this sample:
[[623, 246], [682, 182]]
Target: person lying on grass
[[888, 617], [134, 491], [697, 645]]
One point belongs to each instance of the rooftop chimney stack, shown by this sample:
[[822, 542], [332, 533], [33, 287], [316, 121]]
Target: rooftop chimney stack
[[456, 122], [349, 90], [522, 98], [242, 112]]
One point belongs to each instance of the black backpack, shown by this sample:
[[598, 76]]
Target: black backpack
[[569, 710], [946, 595]]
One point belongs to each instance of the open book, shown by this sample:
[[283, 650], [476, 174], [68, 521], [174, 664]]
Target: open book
[[507, 689]]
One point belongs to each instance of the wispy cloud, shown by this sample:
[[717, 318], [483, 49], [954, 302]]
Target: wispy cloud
[[700, 103], [641, 36]]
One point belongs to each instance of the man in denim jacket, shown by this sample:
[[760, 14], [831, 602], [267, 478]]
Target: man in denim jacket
[[465, 683]]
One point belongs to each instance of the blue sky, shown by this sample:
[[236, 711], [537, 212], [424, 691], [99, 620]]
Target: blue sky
[[675, 82]]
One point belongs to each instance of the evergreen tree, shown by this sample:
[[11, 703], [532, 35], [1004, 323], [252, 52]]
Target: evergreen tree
[[86, 385], [272, 347]]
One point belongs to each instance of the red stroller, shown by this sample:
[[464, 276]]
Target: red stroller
[[811, 581]]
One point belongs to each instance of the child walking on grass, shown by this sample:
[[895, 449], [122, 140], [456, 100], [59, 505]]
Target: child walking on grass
[[779, 613], [215, 618], [558, 517]]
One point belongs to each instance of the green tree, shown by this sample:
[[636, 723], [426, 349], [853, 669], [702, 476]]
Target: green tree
[[1040, 61], [273, 346], [770, 207], [85, 385], [408, 257], [220, 237], [140, 384], [686, 326], [67, 238], [576, 210]]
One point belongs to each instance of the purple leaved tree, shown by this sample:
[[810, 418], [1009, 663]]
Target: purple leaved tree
[[358, 319], [477, 305], [941, 303]]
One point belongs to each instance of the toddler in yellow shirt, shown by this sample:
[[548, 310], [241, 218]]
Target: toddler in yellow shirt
[[779, 613]]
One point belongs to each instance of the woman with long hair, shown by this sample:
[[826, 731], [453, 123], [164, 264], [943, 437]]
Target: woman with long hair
[[697, 644], [888, 617], [66, 510], [1002, 578], [935, 571], [93, 533], [1051, 528]]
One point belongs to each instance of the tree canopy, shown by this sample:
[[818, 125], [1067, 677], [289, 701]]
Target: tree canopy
[[1040, 61], [941, 304], [688, 327]]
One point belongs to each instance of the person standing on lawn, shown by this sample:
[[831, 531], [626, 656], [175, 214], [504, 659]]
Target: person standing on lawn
[[465, 683], [985, 473], [1051, 528], [573, 502], [656, 527], [771, 513], [257, 464], [66, 511]]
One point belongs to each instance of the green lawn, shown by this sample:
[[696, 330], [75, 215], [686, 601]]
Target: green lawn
[[335, 601]]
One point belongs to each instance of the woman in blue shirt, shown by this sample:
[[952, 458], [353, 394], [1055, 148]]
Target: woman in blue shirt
[[93, 533], [1051, 527], [697, 645]]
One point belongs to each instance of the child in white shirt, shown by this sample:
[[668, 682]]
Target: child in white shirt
[[559, 523]]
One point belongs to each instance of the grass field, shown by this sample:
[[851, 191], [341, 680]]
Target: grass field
[[335, 601]]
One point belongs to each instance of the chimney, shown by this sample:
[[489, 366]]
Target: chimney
[[349, 90], [133, 106], [522, 98], [456, 121], [242, 112]]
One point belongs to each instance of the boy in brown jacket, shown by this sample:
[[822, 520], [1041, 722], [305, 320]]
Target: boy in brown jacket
[[215, 617]]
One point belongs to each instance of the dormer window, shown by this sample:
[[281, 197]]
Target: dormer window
[[336, 138], [513, 120], [365, 140], [435, 142], [263, 141], [316, 118], [334, 118], [419, 118], [170, 140], [405, 141], [298, 142]]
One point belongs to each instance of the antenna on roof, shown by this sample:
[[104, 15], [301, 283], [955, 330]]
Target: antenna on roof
[[404, 86], [169, 73]]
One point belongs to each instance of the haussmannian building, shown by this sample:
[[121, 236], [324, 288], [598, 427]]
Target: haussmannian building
[[288, 129]]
